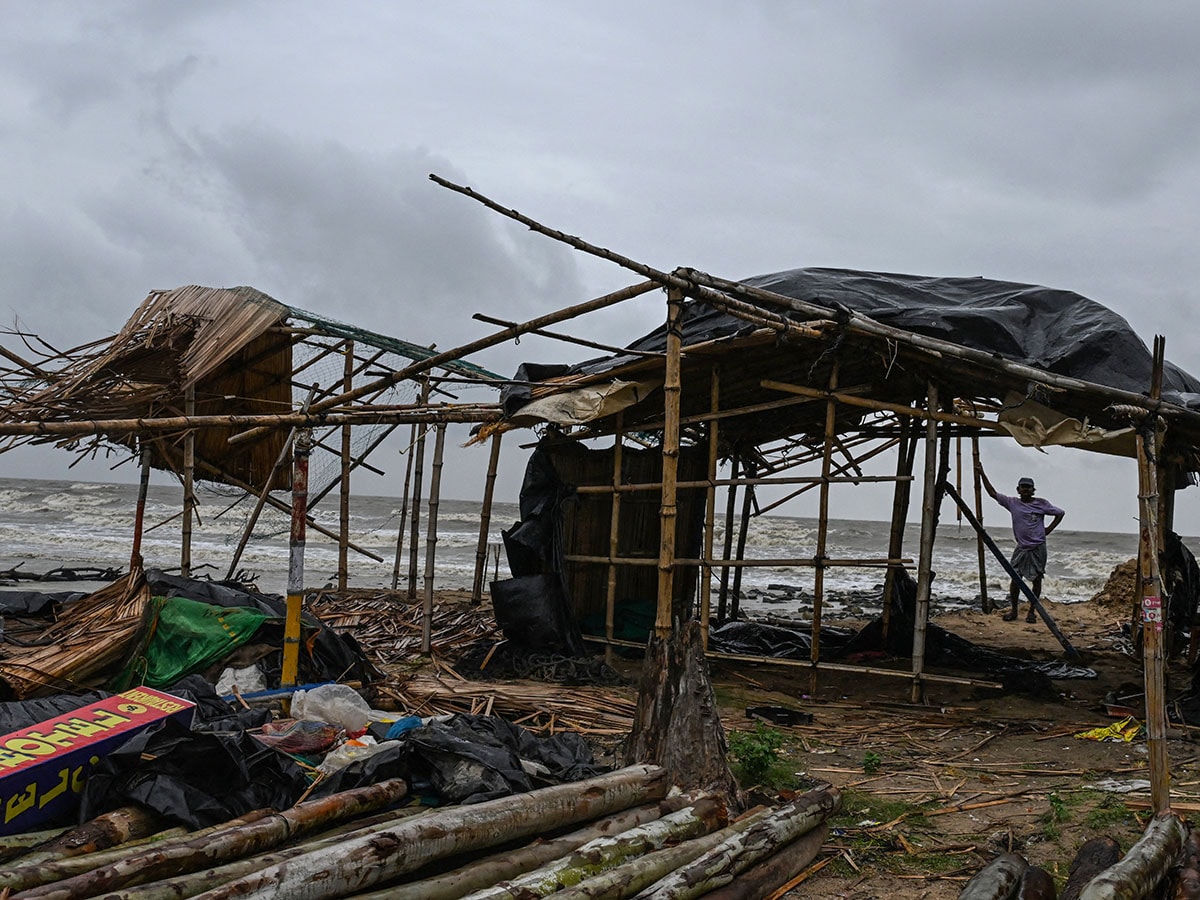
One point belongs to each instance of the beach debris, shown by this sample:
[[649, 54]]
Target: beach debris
[[1126, 730], [1144, 866]]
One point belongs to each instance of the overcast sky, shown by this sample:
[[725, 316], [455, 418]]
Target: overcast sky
[[287, 146]]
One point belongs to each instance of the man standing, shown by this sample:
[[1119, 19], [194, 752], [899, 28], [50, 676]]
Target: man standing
[[1030, 529]]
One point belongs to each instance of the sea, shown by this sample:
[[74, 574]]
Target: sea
[[47, 525]]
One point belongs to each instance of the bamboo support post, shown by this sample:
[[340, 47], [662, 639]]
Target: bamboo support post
[[710, 505], [730, 507], [139, 517], [189, 485], [295, 586], [614, 538], [408, 468], [925, 561], [668, 512], [485, 521], [418, 471], [1149, 444], [743, 531], [823, 523], [906, 454], [985, 602], [431, 537], [343, 573]]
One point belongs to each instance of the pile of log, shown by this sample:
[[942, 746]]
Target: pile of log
[[615, 836], [1165, 862]]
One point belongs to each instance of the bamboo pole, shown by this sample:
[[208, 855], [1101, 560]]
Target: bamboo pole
[[668, 512], [408, 468], [810, 480], [925, 563], [343, 573], [985, 602], [419, 468], [431, 539], [459, 413], [295, 585], [189, 485], [823, 523], [710, 504], [730, 506], [614, 537], [456, 353], [906, 453], [485, 521], [285, 454], [1149, 444], [851, 399], [139, 517], [743, 531]]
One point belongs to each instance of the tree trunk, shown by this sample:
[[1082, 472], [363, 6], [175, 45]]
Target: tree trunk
[[1144, 866], [677, 725], [485, 872], [608, 852], [720, 865], [117, 827], [225, 844], [763, 880], [363, 862]]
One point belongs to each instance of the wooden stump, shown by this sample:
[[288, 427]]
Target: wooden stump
[[677, 725]]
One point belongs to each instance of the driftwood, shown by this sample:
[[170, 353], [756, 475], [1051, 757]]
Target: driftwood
[[509, 864], [230, 843], [720, 865], [630, 878], [364, 862], [1145, 865], [998, 880], [606, 853], [1092, 858]]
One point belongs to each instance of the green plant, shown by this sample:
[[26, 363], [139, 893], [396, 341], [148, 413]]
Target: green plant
[[1058, 808], [755, 751], [1109, 811], [871, 762]]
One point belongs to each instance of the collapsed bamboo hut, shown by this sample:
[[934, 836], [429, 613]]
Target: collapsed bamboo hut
[[830, 368]]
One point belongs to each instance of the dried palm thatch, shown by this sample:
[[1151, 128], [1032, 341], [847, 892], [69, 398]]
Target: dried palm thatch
[[538, 707], [90, 637]]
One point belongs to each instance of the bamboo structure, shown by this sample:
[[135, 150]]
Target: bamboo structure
[[485, 520], [435, 494], [415, 503], [928, 530], [189, 492], [295, 595], [670, 465], [343, 570], [408, 469]]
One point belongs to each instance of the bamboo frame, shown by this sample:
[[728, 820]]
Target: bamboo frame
[[710, 504], [189, 486], [823, 523], [670, 467], [485, 520], [614, 538], [415, 527], [928, 529], [906, 454], [343, 570], [431, 539], [408, 468], [985, 602]]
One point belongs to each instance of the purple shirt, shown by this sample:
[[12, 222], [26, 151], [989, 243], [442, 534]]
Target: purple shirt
[[1029, 519]]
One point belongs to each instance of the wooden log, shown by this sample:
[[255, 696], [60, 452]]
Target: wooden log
[[668, 511], [509, 864], [998, 880], [180, 887], [108, 830], [677, 724], [608, 852], [637, 874], [230, 843], [1090, 860], [1036, 884], [71, 865], [720, 865], [1186, 881], [12, 845], [762, 880], [1146, 864], [364, 862]]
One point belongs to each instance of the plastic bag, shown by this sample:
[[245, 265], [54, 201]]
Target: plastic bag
[[249, 680], [352, 750], [337, 704]]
